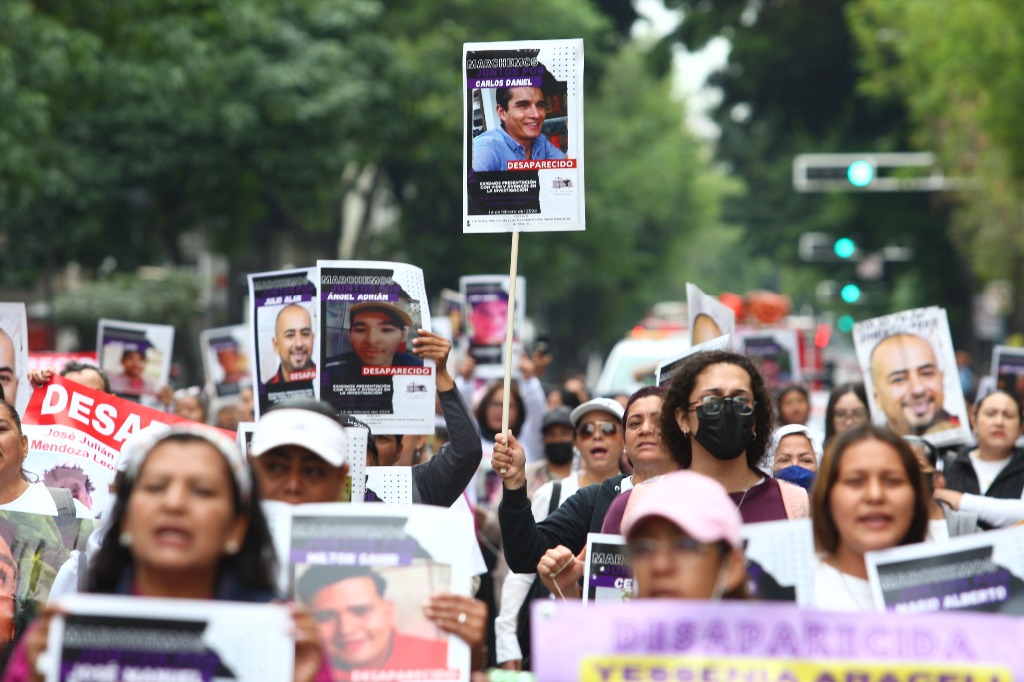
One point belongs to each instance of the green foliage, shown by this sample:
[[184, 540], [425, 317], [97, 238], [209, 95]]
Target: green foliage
[[959, 73], [790, 87], [136, 121], [249, 120], [167, 298]]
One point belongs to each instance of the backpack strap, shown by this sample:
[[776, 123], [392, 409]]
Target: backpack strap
[[65, 503], [794, 498], [556, 497]]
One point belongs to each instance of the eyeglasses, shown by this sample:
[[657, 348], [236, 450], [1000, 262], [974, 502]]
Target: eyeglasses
[[680, 549], [590, 428], [713, 404], [858, 414]]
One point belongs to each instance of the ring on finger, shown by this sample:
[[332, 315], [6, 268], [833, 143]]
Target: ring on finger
[[462, 618]]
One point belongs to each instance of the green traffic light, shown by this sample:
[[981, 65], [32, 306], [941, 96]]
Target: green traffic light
[[845, 323], [860, 173], [850, 293], [844, 247]]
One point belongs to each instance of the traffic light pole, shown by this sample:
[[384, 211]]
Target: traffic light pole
[[872, 172]]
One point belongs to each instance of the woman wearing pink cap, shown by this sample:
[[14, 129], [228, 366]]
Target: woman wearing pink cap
[[685, 551]]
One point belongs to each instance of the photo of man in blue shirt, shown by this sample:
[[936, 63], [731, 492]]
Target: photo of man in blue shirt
[[520, 138]]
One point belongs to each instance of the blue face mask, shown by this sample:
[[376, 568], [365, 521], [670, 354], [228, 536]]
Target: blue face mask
[[797, 475]]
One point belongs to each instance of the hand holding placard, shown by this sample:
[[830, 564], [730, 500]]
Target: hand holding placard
[[560, 570], [509, 459]]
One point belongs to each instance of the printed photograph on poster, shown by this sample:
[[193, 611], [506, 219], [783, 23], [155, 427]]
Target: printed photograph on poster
[[606, 573], [979, 572], [384, 561], [708, 317], [664, 639], [668, 366], [486, 314], [45, 359], [225, 353], [780, 561], [776, 352], [75, 434], [136, 358], [523, 103], [910, 375], [370, 312], [282, 335], [1008, 371], [14, 364], [33, 547], [108, 637]]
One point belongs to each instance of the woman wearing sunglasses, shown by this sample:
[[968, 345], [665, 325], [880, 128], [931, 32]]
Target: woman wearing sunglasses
[[717, 420]]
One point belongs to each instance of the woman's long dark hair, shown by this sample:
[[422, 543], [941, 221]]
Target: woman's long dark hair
[[481, 410], [16, 418], [253, 568], [826, 534], [678, 396], [854, 387]]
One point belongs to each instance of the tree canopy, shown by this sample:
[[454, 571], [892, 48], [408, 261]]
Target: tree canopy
[[248, 122], [958, 71]]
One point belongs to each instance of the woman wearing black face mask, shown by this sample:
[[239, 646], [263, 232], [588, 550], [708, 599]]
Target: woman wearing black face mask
[[717, 421]]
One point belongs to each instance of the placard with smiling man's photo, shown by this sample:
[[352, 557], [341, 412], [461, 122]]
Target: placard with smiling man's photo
[[523, 134], [910, 375], [282, 335]]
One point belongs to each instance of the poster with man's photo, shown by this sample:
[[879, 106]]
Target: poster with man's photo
[[369, 314], [979, 572], [225, 352], [780, 561], [107, 637], [910, 375], [606, 572], [523, 113], [14, 355], [33, 547], [75, 434], [383, 562], [282, 335], [136, 358], [776, 352], [486, 315], [708, 317], [1008, 370]]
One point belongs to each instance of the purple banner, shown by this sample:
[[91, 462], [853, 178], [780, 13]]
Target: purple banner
[[676, 640]]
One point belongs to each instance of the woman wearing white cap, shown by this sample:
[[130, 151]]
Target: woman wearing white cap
[[188, 525]]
